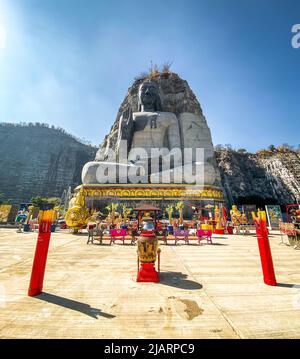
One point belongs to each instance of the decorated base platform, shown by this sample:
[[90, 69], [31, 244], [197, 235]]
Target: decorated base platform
[[151, 191], [100, 195]]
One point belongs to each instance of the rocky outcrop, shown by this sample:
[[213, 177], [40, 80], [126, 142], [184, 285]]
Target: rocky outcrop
[[36, 160], [262, 178], [176, 97], [179, 113]]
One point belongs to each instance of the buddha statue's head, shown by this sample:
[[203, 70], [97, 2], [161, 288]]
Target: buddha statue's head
[[149, 99]]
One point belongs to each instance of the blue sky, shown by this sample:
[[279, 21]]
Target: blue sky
[[70, 63]]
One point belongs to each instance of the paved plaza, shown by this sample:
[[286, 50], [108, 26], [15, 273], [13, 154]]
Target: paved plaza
[[207, 291]]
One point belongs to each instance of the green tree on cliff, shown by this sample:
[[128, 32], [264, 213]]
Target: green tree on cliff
[[39, 201], [242, 150], [272, 148]]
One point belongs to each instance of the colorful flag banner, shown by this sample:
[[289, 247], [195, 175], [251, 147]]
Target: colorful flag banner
[[4, 212], [274, 215]]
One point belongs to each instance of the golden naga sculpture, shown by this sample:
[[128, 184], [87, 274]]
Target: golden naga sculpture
[[78, 215]]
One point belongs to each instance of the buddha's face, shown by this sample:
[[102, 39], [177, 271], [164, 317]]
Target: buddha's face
[[148, 94]]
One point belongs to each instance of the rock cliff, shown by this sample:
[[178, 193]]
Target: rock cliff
[[175, 100], [37, 160], [267, 177], [176, 97]]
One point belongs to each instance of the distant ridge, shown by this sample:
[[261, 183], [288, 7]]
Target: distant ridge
[[37, 159]]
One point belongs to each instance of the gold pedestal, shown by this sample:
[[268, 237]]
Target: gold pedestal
[[78, 213]]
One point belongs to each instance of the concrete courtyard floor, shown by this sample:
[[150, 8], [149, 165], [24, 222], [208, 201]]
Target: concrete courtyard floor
[[207, 291]]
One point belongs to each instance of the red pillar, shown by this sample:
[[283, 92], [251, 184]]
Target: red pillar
[[265, 252], [40, 258]]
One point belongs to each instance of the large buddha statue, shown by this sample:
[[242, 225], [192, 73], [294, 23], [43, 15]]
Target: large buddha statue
[[151, 128]]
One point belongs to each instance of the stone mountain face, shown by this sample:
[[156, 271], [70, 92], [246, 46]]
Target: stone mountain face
[[176, 97], [36, 160], [259, 178]]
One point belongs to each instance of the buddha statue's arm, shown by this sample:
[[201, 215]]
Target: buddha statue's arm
[[125, 132], [174, 134]]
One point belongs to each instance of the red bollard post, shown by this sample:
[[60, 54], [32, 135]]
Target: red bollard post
[[40, 259], [265, 249]]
